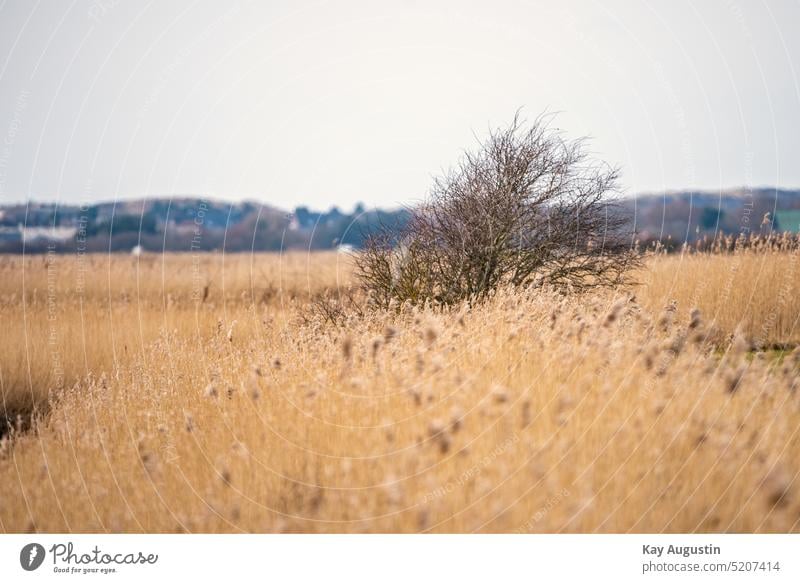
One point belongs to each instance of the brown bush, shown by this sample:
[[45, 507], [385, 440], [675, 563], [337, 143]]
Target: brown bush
[[527, 208]]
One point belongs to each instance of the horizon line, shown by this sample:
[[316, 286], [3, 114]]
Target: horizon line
[[250, 200]]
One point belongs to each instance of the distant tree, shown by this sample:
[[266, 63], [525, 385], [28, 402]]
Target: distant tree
[[710, 218], [124, 223], [304, 217], [527, 208]]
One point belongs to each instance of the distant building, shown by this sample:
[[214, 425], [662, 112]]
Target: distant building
[[30, 234], [10, 234], [788, 220]]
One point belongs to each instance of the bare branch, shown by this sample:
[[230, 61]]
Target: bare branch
[[526, 208]]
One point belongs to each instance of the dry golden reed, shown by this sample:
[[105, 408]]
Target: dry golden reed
[[191, 394]]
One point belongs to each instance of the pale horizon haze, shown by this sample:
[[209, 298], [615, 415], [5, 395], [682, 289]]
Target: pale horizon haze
[[334, 103]]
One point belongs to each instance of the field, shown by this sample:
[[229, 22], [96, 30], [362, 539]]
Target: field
[[183, 393]]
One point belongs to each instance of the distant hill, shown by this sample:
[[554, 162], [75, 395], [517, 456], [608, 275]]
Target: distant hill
[[183, 224], [197, 224], [687, 215]]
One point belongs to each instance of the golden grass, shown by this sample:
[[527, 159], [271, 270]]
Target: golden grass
[[757, 292], [185, 393]]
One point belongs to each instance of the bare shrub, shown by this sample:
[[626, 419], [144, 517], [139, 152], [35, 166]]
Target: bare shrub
[[527, 208], [332, 307]]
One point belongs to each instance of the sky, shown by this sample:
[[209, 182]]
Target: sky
[[332, 103]]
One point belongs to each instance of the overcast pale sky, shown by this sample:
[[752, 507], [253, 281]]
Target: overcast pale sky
[[325, 103]]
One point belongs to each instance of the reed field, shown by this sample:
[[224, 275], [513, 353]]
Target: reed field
[[208, 393]]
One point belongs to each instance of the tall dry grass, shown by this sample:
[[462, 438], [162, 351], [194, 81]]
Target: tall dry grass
[[183, 393], [756, 289]]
